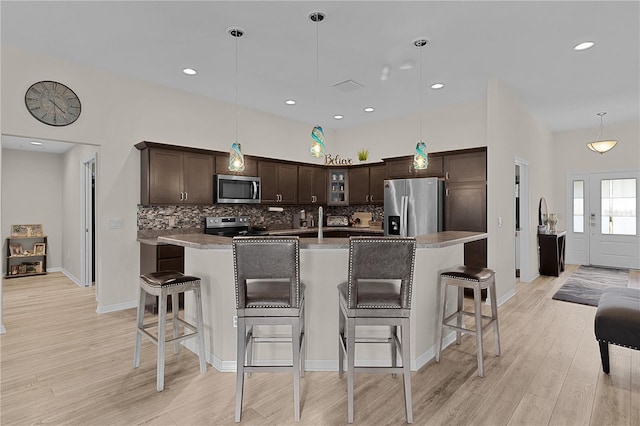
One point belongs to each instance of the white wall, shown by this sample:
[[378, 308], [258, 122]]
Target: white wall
[[454, 127], [32, 193], [512, 131], [572, 156], [118, 113]]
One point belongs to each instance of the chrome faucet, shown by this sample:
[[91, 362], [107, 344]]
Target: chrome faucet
[[320, 218]]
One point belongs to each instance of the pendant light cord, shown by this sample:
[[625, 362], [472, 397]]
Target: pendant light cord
[[317, 72], [236, 112], [420, 91]]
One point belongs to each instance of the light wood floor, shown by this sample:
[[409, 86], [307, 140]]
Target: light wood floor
[[64, 364]]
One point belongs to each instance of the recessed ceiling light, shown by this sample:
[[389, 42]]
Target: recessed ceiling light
[[338, 117], [406, 66], [584, 45], [35, 143], [369, 109], [290, 102], [189, 71], [437, 86]]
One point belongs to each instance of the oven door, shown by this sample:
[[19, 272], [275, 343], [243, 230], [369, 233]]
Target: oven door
[[231, 189]]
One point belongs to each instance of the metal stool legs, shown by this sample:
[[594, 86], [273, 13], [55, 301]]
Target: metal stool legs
[[158, 288], [464, 280]]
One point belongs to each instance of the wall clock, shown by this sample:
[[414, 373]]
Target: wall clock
[[52, 103]]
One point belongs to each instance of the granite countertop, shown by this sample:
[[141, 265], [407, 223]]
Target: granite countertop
[[215, 242]]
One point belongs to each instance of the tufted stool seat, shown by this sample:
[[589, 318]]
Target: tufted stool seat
[[163, 284], [377, 293], [617, 320], [477, 279]]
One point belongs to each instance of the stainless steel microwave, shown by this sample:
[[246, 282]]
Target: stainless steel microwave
[[230, 189]]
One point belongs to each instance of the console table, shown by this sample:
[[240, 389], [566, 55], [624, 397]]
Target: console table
[[551, 247]]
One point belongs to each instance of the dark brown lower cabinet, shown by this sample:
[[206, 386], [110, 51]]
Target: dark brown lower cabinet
[[163, 257]]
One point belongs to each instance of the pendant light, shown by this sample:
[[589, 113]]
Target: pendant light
[[602, 146], [236, 157], [317, 134], [420, 158]]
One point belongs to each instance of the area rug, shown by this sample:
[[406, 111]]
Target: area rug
[[586, 284]]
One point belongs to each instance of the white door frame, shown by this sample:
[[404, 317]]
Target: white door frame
[[579, 245], [526, 274], [89, 174]]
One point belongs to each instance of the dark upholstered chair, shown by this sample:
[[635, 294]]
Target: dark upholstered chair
[[477, 279], [162, 284], [378, 292], [268, 292], [617, 321]]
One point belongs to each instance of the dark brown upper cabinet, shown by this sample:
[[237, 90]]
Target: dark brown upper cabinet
[[366, 184], [278, 182], [312, 185], [402, 167], [175, 177], [466, 167]]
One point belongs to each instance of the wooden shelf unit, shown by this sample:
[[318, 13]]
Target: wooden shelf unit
[[36, 264]]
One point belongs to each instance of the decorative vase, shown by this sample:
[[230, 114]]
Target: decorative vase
[[552, 220]]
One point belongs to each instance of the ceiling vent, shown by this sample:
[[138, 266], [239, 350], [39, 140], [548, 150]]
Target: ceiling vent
[[348, 86]]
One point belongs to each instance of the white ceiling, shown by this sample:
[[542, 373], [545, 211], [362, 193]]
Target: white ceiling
[[527, 44]]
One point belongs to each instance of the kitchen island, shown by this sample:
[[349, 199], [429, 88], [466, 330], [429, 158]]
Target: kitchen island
[[323, 265]]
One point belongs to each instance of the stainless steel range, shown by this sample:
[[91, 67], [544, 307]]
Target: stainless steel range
[[231, 226]]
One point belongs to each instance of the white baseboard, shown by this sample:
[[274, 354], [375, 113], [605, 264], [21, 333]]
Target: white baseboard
[[320, 365], [116, 307], [69, 275]]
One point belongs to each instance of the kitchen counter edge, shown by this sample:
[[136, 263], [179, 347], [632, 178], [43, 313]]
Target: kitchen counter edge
[[214, 242]]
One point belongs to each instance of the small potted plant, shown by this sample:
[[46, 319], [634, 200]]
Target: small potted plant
[[363, 154]]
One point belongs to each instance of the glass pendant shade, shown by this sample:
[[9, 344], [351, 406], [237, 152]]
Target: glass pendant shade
[[236, 158], [420, 158], [317, 142], [601, 146]]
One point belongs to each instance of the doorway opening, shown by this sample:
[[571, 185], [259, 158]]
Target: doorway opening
[[522, 214], [89, 168]]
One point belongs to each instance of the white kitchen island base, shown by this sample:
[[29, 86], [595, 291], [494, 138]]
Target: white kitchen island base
[[323, 266]]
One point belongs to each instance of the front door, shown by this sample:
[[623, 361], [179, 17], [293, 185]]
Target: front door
[[612, 222]]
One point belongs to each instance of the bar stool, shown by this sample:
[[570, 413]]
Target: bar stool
[[162, 284], [268, 292], [378, 293], [475, 278]]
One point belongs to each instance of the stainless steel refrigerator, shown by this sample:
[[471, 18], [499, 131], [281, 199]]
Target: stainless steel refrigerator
[[413, 206]]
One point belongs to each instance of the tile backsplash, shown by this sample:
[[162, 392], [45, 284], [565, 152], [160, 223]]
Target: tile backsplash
[[189, 217]]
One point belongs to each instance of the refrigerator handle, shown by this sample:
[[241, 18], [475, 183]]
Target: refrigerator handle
[[403, 216]]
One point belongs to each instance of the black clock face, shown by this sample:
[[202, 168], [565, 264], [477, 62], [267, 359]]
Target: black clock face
[[52, 103]]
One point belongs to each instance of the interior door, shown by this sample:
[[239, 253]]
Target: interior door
[[613, 219]]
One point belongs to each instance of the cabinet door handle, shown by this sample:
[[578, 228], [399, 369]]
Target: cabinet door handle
[[186, 196], [410, 168], [446, 176], [371, 198], [313, 199], [366, 198], [446, 192], [182, 196]]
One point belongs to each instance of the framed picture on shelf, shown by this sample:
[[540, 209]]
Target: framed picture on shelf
[[39, 249], [15, 249], [22, 269], [15, 269], [26, 230], [30, 267], [38, 266]]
